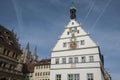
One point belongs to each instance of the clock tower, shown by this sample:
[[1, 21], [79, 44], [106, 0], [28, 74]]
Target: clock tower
[[76, 56]]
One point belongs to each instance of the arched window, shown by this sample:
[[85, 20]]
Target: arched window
[[1, 38], [4, 51], [11, 43]]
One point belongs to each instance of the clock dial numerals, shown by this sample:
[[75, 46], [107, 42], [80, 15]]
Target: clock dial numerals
[[73, 30]]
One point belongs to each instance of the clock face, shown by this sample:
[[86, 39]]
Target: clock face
[[73, 30]]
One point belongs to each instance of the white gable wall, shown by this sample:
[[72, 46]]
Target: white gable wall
[[90, 48]]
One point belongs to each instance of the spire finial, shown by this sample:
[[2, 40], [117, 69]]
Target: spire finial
[[35, 57], [27, 47], [35, 51], [72, 11], [72, 2]]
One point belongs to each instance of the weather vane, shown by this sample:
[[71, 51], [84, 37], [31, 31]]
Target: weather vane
[[72, 2]]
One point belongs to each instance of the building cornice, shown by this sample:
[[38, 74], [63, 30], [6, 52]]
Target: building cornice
[[74, 49], [76, 55], [77, 63], [10, 59], [11, 48], [75, 68], [75, 36], [71, 27]]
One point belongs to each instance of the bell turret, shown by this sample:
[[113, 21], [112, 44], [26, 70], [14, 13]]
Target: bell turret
[[73, 11]]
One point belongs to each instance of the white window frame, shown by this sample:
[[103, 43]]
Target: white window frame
[[78, 31], [58, 77], [91, 58], [73, 77], [64, 44], [90, 76], [70, 60], [75, 59], [82, 42], [63, 60], [57, 61], [68, 33], [83, 59]]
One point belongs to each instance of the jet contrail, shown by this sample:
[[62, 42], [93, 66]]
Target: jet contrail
[[100, 15], [90, 9], [18, 13]]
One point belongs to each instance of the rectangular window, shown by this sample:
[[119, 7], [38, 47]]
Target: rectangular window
[[70, 60], [77, 31], [57, 61], [63, 60], [70, 76], [4, 52], [35, 74], [75, 59], [83, 59], [48, 73], [41, 67], [38, 73], [73, 77], [68, 33], [91, 58], [82, 42], [36, 67], [8, 53], [64, 44], [46, 66], [90, 76], [41, 74], [58, 76]]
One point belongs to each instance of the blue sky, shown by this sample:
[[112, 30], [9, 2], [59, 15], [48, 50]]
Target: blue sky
[[41, 22]]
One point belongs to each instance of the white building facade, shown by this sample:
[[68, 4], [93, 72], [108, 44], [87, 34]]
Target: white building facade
[[76, 56], [42, 70]]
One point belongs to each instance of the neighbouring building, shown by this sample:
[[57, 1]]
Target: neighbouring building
[[34, 69], [76, 56], [29, 62], [10, 53], [42, 70]]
